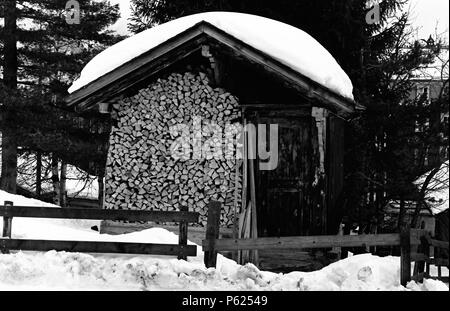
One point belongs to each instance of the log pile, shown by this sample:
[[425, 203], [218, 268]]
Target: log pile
[[142, 171]]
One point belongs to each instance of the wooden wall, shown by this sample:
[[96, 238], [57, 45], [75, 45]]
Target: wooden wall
[[335, 172]]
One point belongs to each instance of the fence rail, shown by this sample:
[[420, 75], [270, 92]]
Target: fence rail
[[87, 213], [295, 242], [183, 217], [414, 245], [98, 247]]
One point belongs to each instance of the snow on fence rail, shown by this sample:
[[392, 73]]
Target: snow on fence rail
[[183, 217], [414, 245]]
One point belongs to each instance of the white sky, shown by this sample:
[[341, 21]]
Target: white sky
[[430, 15], [125, 12], [427, 15]]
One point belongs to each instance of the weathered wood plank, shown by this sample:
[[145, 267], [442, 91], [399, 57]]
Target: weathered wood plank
[[7, 219], [99, 247], [183, 235], [405, 256], [299, 242], [212, 234], [419, 257], [419, 277], [440, 244], [439, 262], [85, 213]]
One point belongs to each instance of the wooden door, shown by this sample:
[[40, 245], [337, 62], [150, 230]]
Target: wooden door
[[285, 194]]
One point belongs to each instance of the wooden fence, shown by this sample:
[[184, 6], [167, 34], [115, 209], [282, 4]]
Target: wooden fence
[[414, 245], [183, 217]]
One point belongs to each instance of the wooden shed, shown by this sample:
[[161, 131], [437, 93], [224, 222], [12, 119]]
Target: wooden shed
[[206, 72]]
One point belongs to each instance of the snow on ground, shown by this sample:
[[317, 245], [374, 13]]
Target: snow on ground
[[76, 271], [288, 44], [21, 200]]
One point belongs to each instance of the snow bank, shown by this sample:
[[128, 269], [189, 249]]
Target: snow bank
[[21, 200], [75, 271], [288, 44]]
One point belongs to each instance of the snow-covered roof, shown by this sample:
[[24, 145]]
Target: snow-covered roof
[[287, 44]]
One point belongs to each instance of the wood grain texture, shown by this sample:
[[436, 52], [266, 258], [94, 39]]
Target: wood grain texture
[[212, 234], [87, 213], [99, 247], [305, 242]]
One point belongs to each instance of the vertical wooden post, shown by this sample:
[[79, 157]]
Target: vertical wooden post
[[254, 258], [62, 185], [235, 254], [425, 249], [55, 180], [405, 256], [101, 190], [182, 238], [212, 233], [7, 226], [241, 233]]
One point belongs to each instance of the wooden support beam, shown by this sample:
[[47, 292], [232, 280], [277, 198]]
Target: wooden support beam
[[99, 247], [419, 257], [86, 213], [254, 258], [440, 244], [405, 256], [419, 277], [212, 234], [300, 242], [183, 236], [7, 225], [439, 262]]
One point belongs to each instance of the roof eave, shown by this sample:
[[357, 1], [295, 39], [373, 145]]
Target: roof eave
[[79, 99]]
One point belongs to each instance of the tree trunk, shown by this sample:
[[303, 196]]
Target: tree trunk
[[38, 174], [55, 180], [401, 214], [9, 162], [9, 146], [62, 184], [421, 200]]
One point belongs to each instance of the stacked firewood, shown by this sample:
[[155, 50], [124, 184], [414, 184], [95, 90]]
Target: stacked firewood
[[153, 159]]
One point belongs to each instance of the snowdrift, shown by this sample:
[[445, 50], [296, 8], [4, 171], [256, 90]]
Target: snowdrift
[[75, 271]]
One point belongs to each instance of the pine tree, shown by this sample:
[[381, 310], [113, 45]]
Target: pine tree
[[383, 144], [49, 54], [9, 145]]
